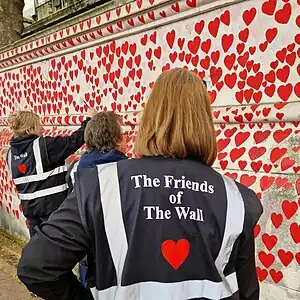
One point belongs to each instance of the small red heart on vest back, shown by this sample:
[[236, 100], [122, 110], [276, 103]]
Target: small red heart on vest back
[[175, 253], [22, 168]]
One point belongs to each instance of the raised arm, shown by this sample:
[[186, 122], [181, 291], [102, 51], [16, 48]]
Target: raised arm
[[61, 147], [48, 259]]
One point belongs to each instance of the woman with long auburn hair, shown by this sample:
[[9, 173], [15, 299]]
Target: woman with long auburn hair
[[163, 226], [177, 120]]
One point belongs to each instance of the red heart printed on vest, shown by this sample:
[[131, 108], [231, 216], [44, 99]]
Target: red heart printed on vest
[[175, 253], [22, 168]]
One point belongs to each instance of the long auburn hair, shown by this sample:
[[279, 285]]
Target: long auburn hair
[[177, 119]]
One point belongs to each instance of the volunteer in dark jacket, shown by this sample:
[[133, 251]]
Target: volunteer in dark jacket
[[104, 141], [37, 164], [105, 144], [165, 226]]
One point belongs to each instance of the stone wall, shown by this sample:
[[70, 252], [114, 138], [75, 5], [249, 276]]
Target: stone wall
[[247, 51]]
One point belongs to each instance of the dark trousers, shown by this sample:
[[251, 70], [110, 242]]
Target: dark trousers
[[32, 222]]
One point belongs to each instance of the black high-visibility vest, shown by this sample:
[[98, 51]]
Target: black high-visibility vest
[[164, 229], [36, 185]]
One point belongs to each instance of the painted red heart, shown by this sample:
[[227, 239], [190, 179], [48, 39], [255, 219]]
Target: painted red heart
[[255, 81], [191, 3], [283, 73], [194, 44], [236, 153], [227, 41], [205, 46], [298, 187], [257, 230], [270, 77], [281, 135], [295, 232], [256, 152], [175, 253], [22, 168], [241, 137], [222, 144], [171, 38], [266, 259], [261, 136], [225, 17], [266, 182], [261, 274], [263, 46], [276, 219], [223, 164], [213, 27], [276, 276], [283, 15], [287, 163], [256, 165], [277, 153], [230, 80], [281, 182], [244, 34], [269, 7], [286, 257], [269, 240], [271, 34], [199, 27], [249, 15], [297, 87]]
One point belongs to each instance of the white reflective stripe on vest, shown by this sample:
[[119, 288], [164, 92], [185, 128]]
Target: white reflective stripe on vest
[[73, 171], [43, 193], [113, 217], [189, 289], [37, 156], [38, 177], [234, 224]]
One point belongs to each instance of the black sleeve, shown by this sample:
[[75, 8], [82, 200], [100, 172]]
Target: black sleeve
[[60, 148], [245, 264], [246, 271], [48, 259]]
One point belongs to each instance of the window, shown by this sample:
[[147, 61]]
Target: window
[[40, 2]]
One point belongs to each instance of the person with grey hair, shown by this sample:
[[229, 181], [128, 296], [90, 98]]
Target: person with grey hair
[[104, 141], [105, 144]]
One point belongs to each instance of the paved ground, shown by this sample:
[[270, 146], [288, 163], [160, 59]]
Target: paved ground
[[11, 287]]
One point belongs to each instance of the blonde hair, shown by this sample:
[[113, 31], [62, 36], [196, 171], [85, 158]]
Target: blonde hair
[[177, 120], [23, 123]]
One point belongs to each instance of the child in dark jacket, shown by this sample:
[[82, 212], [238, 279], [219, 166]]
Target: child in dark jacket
[[105, 144]]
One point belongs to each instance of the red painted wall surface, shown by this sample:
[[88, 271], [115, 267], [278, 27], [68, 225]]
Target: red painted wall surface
[[249, 54]]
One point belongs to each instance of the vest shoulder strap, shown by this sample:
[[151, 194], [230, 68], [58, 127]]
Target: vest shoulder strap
[[37, 156], [234, 223], [8, 160], [73, 170]]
